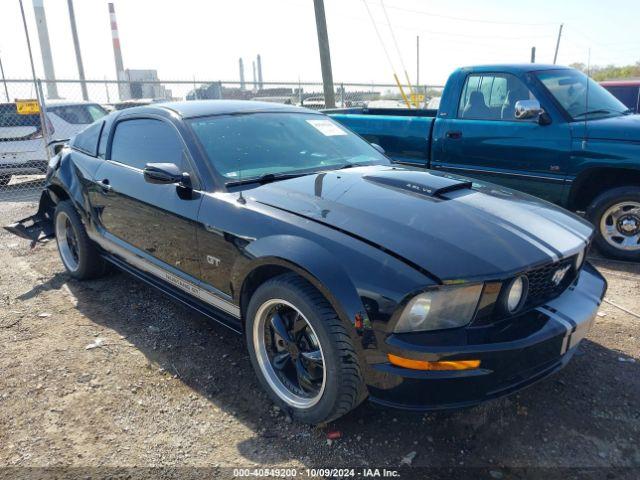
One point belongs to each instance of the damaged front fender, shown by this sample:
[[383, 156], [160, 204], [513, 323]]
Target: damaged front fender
[[38, 227]]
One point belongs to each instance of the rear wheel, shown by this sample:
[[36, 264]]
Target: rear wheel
[[5, 178], [301, 352], [79, 255], [616, 216]]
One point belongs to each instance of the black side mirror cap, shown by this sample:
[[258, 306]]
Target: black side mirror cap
[[544, 118], [164, 173]]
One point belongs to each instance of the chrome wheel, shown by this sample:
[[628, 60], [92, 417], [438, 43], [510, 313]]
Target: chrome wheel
[[289, 353], [620, 226], [67, 242]]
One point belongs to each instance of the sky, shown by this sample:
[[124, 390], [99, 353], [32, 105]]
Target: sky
[[183, 39]]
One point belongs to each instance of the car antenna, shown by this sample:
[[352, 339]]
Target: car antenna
[[586, 106], [241, 199]]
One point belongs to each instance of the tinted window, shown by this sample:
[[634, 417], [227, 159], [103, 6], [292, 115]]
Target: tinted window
[[9, 117], [78, 114], [87, 140], [627, 94], [138, 142], [256, 144], [492, 96]]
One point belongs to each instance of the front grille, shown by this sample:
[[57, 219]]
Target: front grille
[[541, 286]]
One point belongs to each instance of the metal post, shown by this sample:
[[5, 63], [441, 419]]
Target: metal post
[[45, 48], [555, 55], [106, 89], [342, 90], [76, 45], [417, 61], [4, 80], [43, 116], [325, 55], [533, 54], [26, 32]]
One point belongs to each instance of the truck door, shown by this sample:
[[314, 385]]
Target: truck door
[[484, 140], [152, 222]]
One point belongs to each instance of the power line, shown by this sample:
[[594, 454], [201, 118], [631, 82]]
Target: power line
[[471, 20]]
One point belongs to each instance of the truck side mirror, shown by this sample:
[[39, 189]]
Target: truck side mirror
[[531, 109]]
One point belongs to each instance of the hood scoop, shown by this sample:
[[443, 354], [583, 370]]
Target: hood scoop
[[426, 185]]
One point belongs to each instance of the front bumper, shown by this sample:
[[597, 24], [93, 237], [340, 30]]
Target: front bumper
[[513, 354]]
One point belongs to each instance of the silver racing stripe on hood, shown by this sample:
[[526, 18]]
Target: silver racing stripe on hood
[[532, 223]]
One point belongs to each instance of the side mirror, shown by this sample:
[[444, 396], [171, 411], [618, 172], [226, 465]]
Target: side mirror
[[531, 109], [378, 148], [166, 173]]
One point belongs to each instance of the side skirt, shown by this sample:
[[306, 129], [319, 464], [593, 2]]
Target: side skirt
[[196, 304]]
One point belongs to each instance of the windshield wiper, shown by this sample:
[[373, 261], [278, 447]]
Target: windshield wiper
[[266, 178], [352, 165], [602, 110]]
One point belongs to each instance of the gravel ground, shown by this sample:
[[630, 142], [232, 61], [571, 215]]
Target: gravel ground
[[111, 373]]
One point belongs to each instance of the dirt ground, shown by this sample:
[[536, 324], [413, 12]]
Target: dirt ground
[[110, 373]]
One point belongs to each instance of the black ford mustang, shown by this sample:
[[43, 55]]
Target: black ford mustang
[[350, 276]]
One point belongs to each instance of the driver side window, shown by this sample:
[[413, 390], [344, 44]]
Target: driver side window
[[492, 96]]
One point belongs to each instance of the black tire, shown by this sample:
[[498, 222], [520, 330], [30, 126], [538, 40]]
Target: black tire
[[5, 178], [599, 208], [343, 387], [88, 261]]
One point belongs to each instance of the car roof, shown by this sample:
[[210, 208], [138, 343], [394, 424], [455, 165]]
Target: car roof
[[514, 67], [203, 108]]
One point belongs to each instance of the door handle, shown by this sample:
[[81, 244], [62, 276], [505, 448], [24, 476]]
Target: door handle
[[454, 135], [105, 185]]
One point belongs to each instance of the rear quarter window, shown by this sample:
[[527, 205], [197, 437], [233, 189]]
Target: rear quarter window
[[87, 140]]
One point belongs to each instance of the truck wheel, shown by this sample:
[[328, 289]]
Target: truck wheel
[[5, 179], [80, 256], [301, 352], [616, 216]]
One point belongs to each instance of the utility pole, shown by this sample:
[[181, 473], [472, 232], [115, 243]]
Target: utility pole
[[418, 61], [325, 55], [4, 80], [76, 45], [555, 55], [533, 54]]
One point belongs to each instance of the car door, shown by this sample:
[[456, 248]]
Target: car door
[[154, 221], [485, 140]]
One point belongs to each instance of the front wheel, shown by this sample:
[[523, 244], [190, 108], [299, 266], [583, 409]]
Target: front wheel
[[301, 352], [616, 216]]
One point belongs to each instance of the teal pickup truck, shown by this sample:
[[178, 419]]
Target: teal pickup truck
[[542, 129]]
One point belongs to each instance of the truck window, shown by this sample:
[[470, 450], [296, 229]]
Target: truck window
[[492, 96]]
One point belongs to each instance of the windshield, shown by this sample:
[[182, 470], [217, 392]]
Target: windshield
[[256, 144], [569, 87]]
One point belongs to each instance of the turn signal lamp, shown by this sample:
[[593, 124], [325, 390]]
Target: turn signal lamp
[[424, 365]]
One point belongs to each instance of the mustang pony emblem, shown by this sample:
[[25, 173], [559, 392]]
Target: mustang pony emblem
[[559, 274]]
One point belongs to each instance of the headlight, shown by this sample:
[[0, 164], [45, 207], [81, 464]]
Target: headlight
[[517, 293], [446, 307]]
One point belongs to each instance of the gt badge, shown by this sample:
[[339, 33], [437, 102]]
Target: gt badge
[[213, 260]]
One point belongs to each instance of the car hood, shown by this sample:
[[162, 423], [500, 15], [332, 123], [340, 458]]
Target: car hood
[[433, 221], [624, 128]]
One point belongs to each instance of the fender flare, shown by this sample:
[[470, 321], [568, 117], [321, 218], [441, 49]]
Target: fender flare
[[311, 261]]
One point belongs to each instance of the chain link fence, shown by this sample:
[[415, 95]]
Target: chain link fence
[[35, 114]]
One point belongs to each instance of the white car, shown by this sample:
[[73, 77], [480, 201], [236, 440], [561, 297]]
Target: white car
[[22, 146]]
